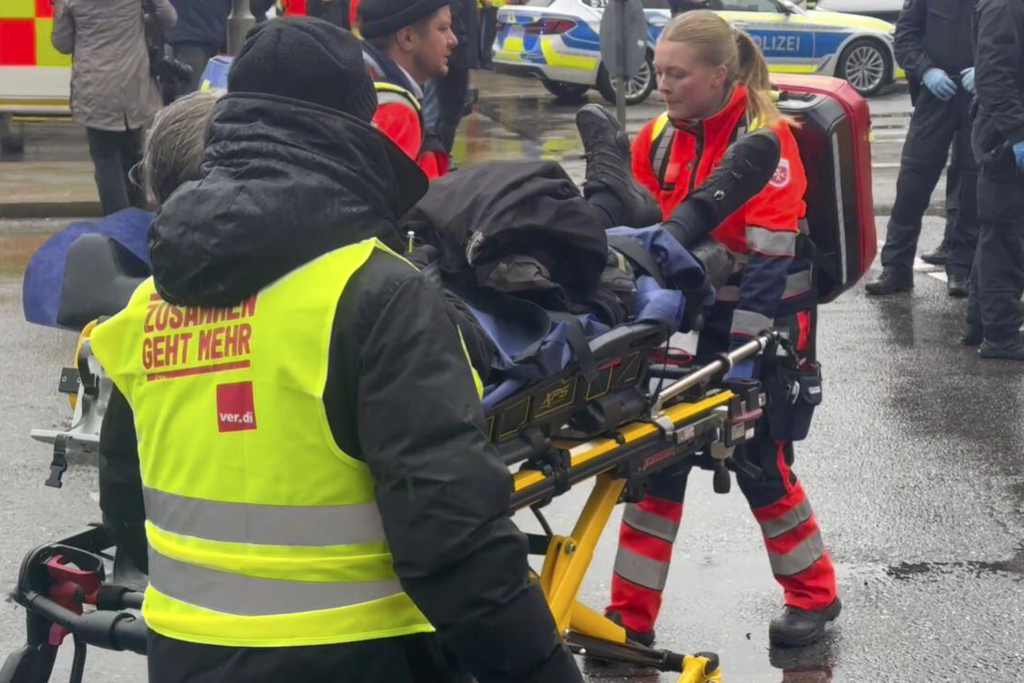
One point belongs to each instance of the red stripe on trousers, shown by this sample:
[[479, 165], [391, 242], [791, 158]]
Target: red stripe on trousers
[[812, 589], [783, 543], [642, 544], [793, 497], [669, 509], [638, 606]]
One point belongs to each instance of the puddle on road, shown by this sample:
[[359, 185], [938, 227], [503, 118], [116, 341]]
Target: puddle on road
[[908, 571]]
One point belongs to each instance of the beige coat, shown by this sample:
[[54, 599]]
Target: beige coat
[[111, 88]]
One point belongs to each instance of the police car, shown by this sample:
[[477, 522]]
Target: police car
[[557, 41]]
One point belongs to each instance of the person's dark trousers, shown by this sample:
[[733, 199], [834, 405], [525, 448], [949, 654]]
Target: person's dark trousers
[[997, 282], [196, 55], [415, 658], [952, 197], [488, 32], [114, 154], [451, 98], [934, 126]]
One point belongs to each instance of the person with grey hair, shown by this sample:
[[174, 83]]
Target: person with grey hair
[[175, 144]]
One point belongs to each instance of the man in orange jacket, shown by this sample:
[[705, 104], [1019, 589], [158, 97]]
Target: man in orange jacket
[[406, 43]]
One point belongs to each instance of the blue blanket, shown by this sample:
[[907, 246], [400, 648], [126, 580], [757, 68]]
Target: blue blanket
[[40, 293]]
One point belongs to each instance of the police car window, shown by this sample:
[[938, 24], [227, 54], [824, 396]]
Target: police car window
[[535, 3], [750, 6]]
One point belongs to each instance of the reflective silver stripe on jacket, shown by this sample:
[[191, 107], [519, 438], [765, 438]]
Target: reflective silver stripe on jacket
[[771, 242], [661, 154], [643, 571], [787, 522], [728, 294], [252, 596], [650, 523], [748, 323], [390, 97], [797, 284], [264, 524], [799, 558]]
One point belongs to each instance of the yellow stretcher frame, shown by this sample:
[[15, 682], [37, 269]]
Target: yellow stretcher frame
[[569, 557]]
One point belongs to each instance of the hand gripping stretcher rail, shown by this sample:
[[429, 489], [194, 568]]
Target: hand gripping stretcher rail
[[64, 588]]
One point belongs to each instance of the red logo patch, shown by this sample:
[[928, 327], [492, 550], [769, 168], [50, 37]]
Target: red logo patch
[[781, 176], [235, 408]]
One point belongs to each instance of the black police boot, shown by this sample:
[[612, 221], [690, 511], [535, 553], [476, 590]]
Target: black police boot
[[972, 336], [747, 166], [957, 286], [797, 627], [890, 282], [645, 638], [606, 146], [1011, 349], [938, 256]]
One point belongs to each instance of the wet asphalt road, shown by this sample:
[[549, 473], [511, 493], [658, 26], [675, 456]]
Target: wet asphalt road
[[915, 466]]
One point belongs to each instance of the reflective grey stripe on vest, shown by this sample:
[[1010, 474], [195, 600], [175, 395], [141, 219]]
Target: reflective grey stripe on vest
[[650, 523], [799, 558], [771, 242], [391, 97], [643, 571], [659, 163], [797, 284], [252, 596], [787, 522], [264, 524], [748, 323]]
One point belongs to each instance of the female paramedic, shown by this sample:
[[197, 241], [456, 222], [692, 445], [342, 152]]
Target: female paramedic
[[715, 84]]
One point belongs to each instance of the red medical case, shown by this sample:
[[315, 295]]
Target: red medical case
[[834, 137]]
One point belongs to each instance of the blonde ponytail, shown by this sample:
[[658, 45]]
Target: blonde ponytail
[[718, 44]]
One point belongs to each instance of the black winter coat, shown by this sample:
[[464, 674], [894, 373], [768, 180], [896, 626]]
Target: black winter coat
[[935, 33], [999, 79], [286, 182], [466, 27]]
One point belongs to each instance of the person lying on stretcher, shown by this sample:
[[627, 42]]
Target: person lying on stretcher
[[118, 438]]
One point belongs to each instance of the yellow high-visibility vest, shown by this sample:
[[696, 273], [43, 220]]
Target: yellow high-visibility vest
[[262, 532]]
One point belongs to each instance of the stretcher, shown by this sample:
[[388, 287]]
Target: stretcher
[[612, 431]]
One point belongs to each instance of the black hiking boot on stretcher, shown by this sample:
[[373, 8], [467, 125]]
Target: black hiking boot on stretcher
[[606, 147], [747, 166], [797, 627]]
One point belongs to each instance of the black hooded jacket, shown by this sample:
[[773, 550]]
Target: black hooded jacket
[[286, 182]]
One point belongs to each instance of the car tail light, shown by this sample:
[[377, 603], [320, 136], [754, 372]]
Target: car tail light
[[550, 27]]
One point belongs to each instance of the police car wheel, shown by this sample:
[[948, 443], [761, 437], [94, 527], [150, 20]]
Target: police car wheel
[[638, 88], [866, 65], [570, 92]]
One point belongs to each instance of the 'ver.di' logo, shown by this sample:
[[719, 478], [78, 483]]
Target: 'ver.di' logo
[[235, 408]]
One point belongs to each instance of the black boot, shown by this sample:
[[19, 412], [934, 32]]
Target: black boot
[[606, 146], [939, 256], [797, 627], [890, 282], [643, 637], [1010, 349], [972, 336], [957, 286], [746, 168]]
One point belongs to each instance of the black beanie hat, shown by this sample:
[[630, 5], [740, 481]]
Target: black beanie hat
[[382, 17], [305, 59]]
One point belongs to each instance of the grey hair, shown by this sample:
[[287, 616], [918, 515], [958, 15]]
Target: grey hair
[[176, 142]]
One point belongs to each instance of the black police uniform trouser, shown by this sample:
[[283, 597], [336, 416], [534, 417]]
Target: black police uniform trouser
[[114, 153], [997, 281], [934, 126]]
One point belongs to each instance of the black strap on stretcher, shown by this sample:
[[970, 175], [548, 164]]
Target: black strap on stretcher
[[638, 255]]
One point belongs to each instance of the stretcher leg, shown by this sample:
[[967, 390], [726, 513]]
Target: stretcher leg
[[565, 565]]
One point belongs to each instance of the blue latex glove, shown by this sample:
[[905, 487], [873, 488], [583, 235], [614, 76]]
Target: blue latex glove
[[1018, 155], [939, 82], [967, 78], [743, 370]]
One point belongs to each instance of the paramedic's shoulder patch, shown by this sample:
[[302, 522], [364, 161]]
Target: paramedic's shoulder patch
[[781, 176]]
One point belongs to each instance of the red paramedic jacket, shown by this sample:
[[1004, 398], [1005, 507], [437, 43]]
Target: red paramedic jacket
[[670, 159]]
